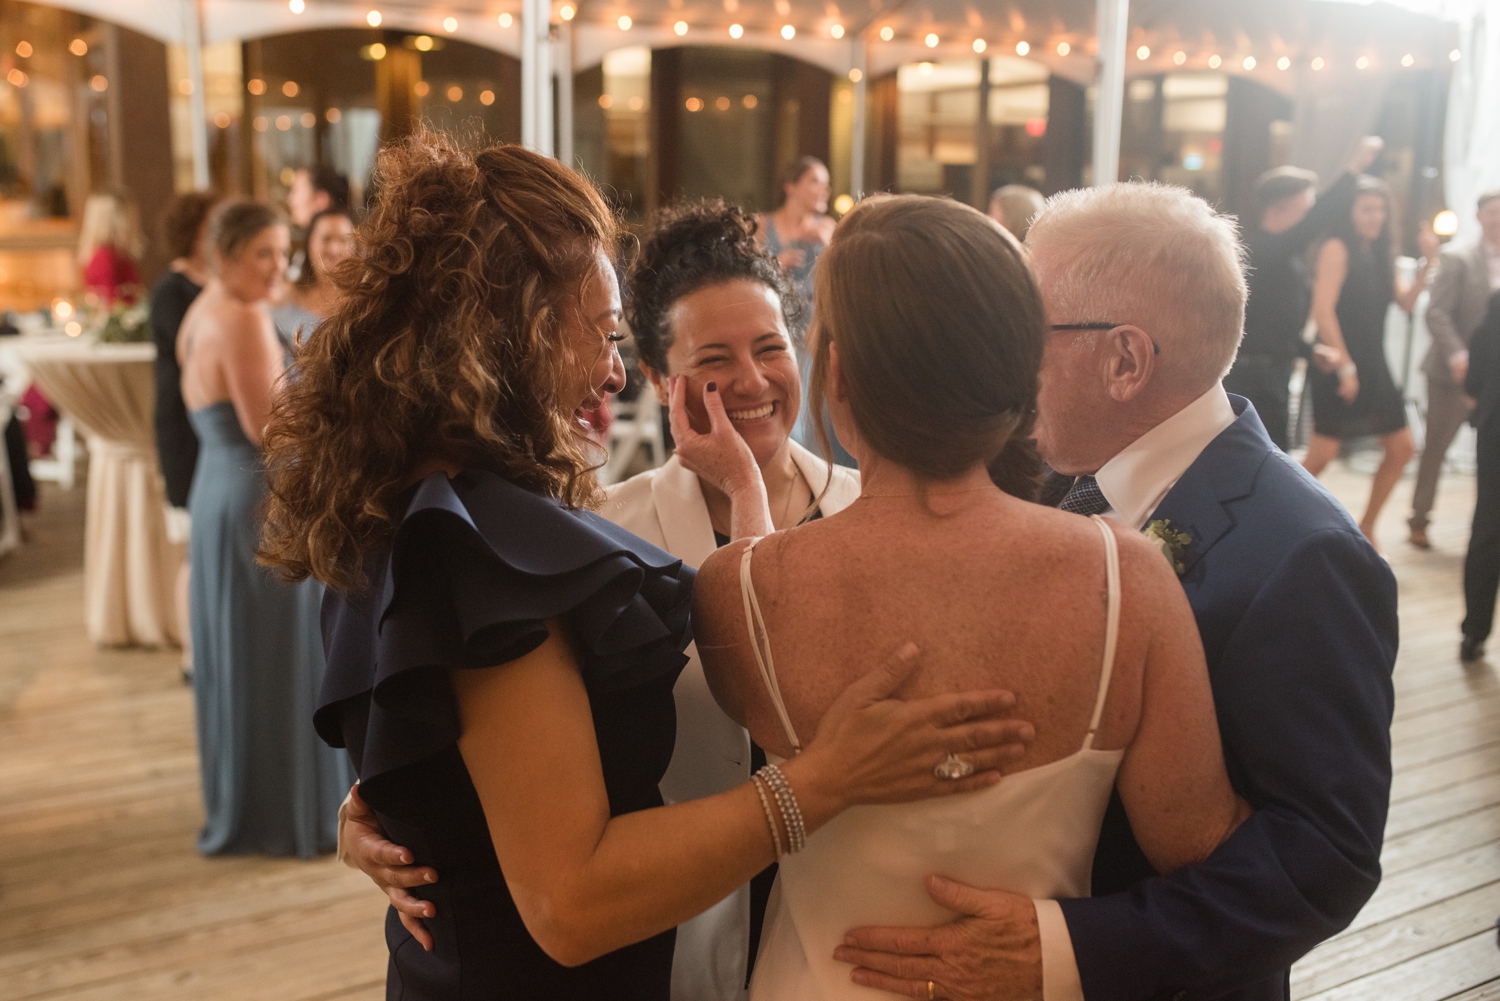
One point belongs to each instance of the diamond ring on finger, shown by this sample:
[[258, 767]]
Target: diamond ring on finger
[[952, 768]]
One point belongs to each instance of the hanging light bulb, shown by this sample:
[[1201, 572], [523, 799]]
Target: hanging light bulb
[[837, 31], [931, 40], [680, 28], [373, 18], [980, 45], [788, 32], [736, 31], [887, 33], [1063, 48], [1023, 47]]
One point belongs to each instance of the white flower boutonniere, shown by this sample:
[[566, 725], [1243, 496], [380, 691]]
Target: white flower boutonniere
[[1172, 543]]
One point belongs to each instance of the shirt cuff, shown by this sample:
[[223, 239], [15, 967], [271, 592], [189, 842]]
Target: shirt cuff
[[1060, 981]]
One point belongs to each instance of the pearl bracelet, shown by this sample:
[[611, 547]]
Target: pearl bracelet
[[791, 813], [765, 804]]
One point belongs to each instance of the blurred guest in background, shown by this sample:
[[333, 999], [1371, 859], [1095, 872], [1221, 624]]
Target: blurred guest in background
[[185, 235], [1356, 283], [314, 189], [109, 246], [1288, 217], [312, 298], [269, 785], [796, 234], [1482, 564], [1014, 206], [1466, 275]]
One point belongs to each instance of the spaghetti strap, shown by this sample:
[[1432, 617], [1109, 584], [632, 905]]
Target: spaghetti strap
[[760, 642], [1111, 626]]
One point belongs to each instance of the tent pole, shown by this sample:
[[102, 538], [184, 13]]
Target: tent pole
[[192, 36], [528, 74], [858, 61], [1109, 97], [562, 60]]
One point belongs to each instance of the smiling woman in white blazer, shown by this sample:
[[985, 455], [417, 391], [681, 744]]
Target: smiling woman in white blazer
[[707, 304]]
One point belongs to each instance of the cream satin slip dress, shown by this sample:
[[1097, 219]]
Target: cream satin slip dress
[[1033, 834]]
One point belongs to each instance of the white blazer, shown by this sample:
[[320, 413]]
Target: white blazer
[[665, 507]]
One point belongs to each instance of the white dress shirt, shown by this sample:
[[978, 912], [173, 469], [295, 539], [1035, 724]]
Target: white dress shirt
[[1134, 482]]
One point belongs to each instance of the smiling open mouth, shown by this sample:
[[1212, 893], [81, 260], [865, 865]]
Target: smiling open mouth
[[758, 413]]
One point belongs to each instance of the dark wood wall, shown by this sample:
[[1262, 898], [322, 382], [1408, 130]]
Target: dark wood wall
[[141, 133]]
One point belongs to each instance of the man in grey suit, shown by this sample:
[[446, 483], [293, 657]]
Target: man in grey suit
[[1466, 276]]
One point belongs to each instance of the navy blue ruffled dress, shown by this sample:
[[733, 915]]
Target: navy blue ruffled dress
[[476, 566]]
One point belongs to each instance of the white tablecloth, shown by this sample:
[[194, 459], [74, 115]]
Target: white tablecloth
[[129, 566]]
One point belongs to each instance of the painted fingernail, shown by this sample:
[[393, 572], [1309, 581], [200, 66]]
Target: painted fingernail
[[430, 877], [712, 387]]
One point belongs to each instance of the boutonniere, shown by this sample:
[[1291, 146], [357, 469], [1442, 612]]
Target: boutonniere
[[1172, 543]]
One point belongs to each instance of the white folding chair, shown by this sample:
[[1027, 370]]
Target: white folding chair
[[637, 424]]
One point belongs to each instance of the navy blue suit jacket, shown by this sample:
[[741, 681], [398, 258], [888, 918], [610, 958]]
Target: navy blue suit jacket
[[1298, 618]]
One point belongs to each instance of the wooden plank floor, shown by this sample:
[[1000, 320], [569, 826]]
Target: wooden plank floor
[[102, 895], [1429, 931]]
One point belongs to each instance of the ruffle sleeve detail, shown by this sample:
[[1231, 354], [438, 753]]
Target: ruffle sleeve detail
[[477, 567]]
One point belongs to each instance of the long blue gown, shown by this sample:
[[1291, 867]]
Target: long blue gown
[[270, 786]]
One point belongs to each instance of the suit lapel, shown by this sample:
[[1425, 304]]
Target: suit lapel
[[682, 513], [1225, 472], [843, 486]]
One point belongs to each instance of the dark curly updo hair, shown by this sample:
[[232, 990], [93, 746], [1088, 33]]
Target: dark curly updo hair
[[692, 246]]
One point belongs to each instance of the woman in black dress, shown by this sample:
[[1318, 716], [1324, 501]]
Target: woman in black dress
[[500, 659], [1356, 283], [185, 230]]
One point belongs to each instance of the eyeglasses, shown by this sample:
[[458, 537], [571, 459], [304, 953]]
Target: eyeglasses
[[1155, 347]]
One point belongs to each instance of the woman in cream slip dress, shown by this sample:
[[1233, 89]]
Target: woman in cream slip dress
[[1032, 834]]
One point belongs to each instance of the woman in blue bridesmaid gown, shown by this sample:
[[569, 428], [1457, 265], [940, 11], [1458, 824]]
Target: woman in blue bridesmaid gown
[[269, 785]]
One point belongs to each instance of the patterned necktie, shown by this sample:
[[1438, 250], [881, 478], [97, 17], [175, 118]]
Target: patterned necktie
[[1085, 498]]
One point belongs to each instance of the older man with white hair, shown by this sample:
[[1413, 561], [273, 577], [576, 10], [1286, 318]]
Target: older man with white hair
[[1145, 291]]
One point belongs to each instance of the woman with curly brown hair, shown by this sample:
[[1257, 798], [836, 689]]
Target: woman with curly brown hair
[[501, 660]]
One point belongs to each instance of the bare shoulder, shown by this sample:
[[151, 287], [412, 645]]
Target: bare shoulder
[[1144, 567], [716, 595], [1333, 253]]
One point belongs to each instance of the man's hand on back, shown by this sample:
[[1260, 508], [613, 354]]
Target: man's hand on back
[[992, 951]]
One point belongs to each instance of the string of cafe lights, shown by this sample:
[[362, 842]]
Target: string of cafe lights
[[20, 79], [932, 40]]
